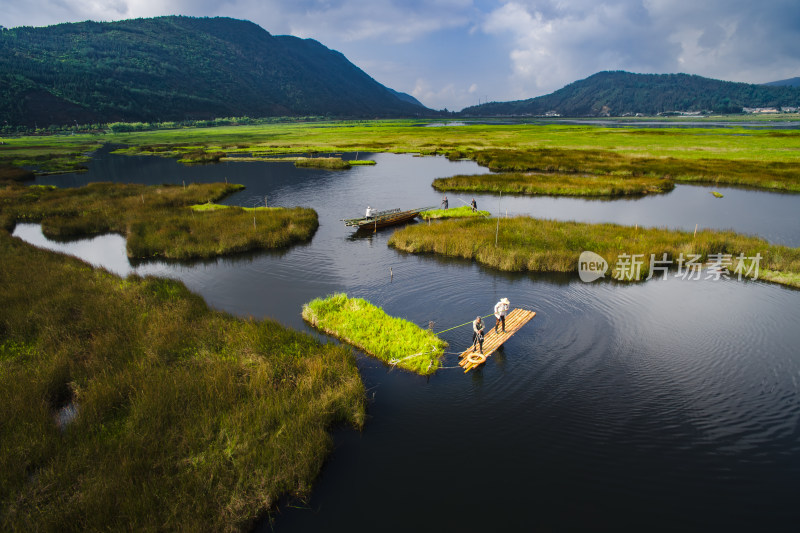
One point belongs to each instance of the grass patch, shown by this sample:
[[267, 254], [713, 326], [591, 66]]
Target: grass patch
[[187, 418], [201, 157], [529, 244], [12, 173], [555, 184], [390, 339], [464, 211], [364, 162], [776, 175], [333, 163], [157, 220]]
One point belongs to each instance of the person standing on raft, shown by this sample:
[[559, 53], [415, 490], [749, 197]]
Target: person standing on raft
[[500, 310], [477, 333]]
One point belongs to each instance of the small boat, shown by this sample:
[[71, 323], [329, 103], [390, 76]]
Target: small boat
[[381, 219]]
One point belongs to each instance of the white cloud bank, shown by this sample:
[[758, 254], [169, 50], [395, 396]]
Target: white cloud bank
[[555, 42]]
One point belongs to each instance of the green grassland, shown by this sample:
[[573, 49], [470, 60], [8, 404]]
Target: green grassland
[[157, 221], [529, 244], [555, 184], [764, 158], [393, 340], [463, 211], [187, 418]]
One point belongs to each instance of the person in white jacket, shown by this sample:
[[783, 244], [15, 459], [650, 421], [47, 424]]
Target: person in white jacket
[[500, 311]]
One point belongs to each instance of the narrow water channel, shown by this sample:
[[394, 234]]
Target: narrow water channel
[[666, 405]]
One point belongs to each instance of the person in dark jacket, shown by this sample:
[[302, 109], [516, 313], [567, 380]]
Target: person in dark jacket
[[477, 333]]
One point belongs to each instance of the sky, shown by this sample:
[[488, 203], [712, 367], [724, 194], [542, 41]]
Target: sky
[[451, 54]]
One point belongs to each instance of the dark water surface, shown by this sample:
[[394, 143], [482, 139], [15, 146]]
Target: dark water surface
[[666, 405]]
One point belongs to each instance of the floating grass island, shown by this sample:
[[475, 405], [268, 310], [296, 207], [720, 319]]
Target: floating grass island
[[464, 211], [333, 163], [553, 184], [393, 340], [166, 221], [182, 417], [529, 244]]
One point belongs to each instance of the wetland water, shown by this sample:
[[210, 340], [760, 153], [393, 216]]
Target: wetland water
[[666, 405]]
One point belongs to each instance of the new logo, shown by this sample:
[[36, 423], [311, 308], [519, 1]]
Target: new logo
[[591, 266]]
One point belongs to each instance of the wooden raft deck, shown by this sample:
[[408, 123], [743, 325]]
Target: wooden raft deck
[[492, 341]]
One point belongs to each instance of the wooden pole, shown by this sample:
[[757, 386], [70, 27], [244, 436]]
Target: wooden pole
[[499, 214]]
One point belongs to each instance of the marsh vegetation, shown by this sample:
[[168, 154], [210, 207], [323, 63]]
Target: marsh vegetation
[[463, 211], [184, 417], [535, 245], [555, 184], [393, 340], [157, 220]]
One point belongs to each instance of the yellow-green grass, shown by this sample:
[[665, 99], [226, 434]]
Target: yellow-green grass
[[334, 163], [187, 418], [555, 184], [199, 157], [529, 244], [464, 211], [157, 220], [763, 157], [393, 340], [362, 162]]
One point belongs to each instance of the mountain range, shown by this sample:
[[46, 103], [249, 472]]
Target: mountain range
[[185, 68], [178, 68], [621, 93]]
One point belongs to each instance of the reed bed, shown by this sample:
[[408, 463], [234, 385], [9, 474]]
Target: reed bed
[[333, 163], [529, 244], [157, 220], [393, 340], [776, 175], [463, 211], [185, 418], [555, 184]]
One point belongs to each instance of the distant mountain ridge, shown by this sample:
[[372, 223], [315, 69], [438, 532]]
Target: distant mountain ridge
[[178, 68], [791, 82], [620, 93]]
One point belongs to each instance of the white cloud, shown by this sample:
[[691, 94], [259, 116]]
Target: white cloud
[[552, 43]]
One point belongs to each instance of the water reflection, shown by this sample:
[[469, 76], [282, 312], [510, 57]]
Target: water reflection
[[665, 405]]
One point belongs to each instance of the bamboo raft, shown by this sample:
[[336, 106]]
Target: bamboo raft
[[492, 341]]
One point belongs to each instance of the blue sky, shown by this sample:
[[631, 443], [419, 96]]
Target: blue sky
[[455, 53]]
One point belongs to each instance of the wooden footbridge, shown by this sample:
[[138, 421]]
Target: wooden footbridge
[[492, 341]]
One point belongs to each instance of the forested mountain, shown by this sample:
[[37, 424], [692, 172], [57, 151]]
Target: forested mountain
[[178, 68], [622, 93]]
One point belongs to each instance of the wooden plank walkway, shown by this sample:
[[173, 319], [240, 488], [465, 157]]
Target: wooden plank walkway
[[492, 341]]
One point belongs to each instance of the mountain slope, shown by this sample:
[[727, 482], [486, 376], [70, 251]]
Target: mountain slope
[[619, 93], [174, 68], [791, 82]]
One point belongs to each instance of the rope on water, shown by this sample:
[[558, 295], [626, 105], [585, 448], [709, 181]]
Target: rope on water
[[464, 324], [394, 362]]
